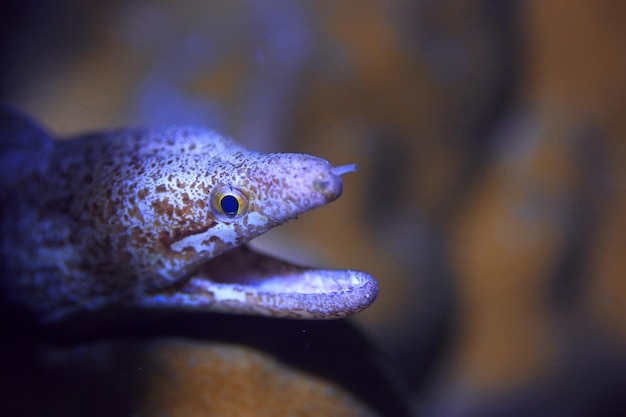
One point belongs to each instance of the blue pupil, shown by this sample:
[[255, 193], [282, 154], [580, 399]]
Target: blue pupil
[[230, 205]]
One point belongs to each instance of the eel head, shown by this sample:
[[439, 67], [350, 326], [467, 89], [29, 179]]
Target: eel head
[[160, 219], [253, 194]]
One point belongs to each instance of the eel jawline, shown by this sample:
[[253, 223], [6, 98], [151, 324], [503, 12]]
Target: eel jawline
[[242, 281]]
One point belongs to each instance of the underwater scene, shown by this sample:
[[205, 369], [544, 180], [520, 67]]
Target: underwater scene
[[312, 208]]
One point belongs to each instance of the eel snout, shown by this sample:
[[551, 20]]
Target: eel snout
[[294, 183]]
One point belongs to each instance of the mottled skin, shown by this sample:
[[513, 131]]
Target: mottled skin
[[132, 219]]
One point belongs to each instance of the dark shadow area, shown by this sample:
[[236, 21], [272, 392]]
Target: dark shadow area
[[335, 350]]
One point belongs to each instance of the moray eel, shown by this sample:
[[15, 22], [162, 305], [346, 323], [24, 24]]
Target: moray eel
[[159, 219]]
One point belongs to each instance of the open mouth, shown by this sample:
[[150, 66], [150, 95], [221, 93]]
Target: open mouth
[[243, 281]]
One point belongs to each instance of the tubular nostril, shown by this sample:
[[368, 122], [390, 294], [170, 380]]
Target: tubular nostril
[[344, 169]]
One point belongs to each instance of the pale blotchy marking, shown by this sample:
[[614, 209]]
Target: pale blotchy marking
[[136, 218]]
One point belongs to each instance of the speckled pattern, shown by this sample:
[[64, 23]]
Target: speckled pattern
[[131, 218]]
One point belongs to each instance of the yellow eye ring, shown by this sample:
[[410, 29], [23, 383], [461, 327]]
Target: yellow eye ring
[[229, 203]]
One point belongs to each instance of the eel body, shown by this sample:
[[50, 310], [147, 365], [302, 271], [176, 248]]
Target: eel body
[[159, 219]]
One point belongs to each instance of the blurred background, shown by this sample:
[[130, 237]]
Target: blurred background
[[490, 201]]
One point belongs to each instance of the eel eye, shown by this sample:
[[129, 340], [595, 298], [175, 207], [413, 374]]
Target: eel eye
[[229, 202]]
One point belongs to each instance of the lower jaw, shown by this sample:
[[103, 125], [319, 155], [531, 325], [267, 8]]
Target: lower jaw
[[243, 281]]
